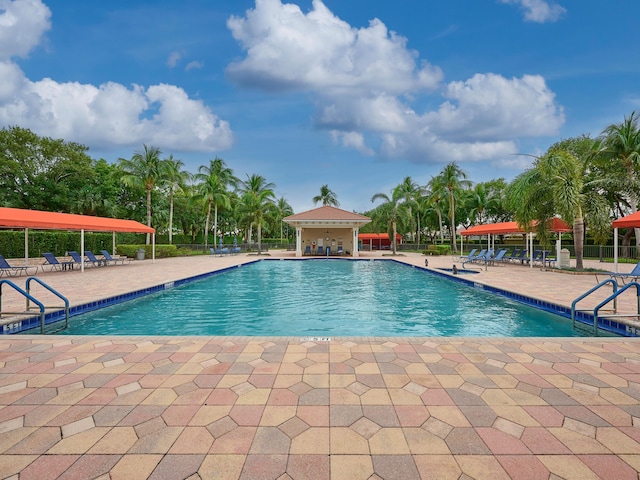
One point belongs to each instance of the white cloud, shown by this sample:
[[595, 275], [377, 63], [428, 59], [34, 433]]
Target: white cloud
[[287, 49], [539, 11], [174, 58], [364, 80], [22, 24], [193, 64], [107, 116]]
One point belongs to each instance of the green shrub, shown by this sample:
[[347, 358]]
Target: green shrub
[[437, 250], [162, 251]]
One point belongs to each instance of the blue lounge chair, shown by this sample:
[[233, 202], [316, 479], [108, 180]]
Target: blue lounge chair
[[469, 256], [77, 259], [307, 250], [632, 276], [499, 258], [98, 262], [520, 257], [340, 251], [486, 258], [9, 271], [54, 264], [513, 255], [320, 250], [109, 259], [475, 257]]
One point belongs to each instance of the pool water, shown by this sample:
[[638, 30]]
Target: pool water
[[323, 298]]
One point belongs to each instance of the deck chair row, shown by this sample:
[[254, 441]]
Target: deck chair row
[[52, 262]]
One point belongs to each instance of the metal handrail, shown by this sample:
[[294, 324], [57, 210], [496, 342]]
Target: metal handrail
[[28, 296], [52, 290], [589, 292], [613, 297]]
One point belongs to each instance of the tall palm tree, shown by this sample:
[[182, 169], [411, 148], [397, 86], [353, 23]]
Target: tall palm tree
[[621, 143], [479, 202], [283, 209], [556, 185], [214, 180], [257, 199], [175, 180], [411, 192], [436, 193], [393, 209], [454, 179], [144, 169], [327, 197]]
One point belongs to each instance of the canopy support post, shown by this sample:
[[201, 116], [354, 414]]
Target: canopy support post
[[82, 250], [615, 250], [26, 247]]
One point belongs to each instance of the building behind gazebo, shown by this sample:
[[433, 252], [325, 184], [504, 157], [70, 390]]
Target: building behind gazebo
[[327, 227]]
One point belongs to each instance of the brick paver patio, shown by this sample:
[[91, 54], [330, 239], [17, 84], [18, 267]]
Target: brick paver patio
[[289, 408]]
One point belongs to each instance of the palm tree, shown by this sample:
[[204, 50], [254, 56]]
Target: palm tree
[[479, 202], [175, 179], [436, 192], [411, 192], [214, 180], [454, 179], [257, 199], [327, 197], [283, 209], [621, 143], [556, 185], [393, 210], [145, 169]]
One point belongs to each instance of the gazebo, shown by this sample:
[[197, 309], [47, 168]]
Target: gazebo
[[327, 227], [18, 218]]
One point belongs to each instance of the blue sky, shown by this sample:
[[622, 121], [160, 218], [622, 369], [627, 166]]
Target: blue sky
[[354, 94]]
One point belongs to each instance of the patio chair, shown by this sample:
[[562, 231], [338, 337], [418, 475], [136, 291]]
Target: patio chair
[[340, 251], [307, 250], [107, 256], [9, 271], [499, 258], [624, 278], [475, 257], [53, 263], [77, 259], [468, 256], [320, 250], [97, 262], [520, 257]]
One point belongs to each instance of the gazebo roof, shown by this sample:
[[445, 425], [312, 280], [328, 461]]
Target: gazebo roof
[[327, 216]]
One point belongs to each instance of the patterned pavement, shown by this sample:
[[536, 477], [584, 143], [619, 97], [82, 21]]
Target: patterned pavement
[[290, 408]]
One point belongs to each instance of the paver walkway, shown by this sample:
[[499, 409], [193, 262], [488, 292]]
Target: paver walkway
[[290, 408]]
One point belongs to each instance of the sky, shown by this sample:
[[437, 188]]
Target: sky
[[355, 94]]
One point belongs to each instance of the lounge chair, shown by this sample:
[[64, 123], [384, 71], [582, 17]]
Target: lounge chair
[[9, 271], [107, 256], [320, 250], [520, 257], [53, 263], [486, 258], [469, 256], [307, 250], [513, 255], [499, 258], [476, 257], [97, 262], [77, 259], [340, 251], [632, 276]]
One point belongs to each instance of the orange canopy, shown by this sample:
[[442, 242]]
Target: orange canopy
[[555, 225], [630, 221], [40, 220], [377, 236]]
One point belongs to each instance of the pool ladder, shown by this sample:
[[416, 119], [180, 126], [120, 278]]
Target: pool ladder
[[617, 291], [33, 303]]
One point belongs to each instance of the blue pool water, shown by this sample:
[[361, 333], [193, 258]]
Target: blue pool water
[[323, 298]]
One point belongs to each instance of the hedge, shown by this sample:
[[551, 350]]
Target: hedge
[[59, 242], [162, 251]]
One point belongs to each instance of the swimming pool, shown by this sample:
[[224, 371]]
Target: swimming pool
[[323, 298]]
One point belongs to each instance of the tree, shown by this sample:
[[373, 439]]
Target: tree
[[479, 202], [282, 210], [436, 192], [174, 180], [555, 185], [327, 197], [393, 210], [212, 189], [256, 200], [454, 179], [411, 192], [144, 169]]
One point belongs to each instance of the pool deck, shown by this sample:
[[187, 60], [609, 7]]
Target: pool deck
[[118, 407]]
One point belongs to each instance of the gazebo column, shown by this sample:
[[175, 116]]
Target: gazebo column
[[354, 253], [298, 241]]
